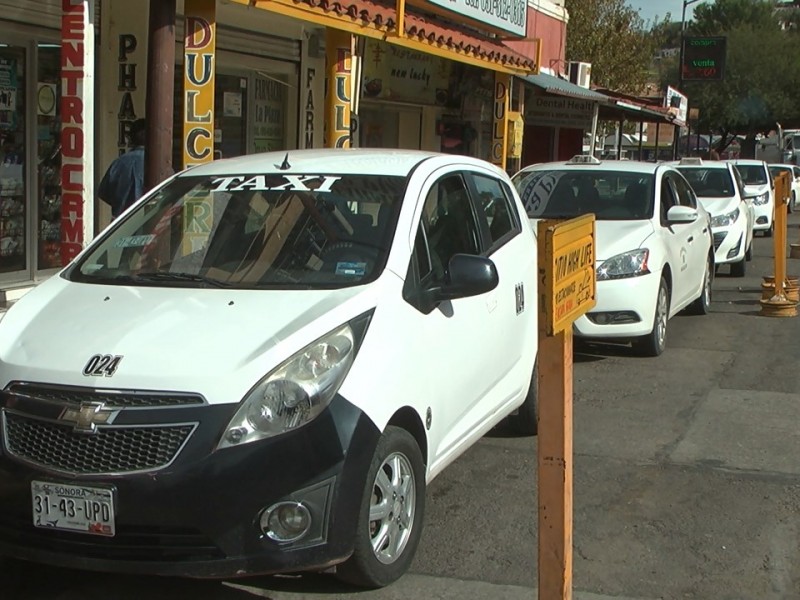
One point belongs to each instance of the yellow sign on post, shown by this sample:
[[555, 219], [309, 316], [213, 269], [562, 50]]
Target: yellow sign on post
[[568, 282], [566, 291], [198, 81]]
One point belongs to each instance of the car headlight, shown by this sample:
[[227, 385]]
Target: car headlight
[[761, 199], [294, 393], [726, 219], [627, 264]]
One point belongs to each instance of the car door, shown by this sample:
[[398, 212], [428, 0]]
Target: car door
[[677, 239], [746, 204], [698, 240], [459, 367]]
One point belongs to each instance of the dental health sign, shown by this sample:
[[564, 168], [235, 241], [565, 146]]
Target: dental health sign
[[504, 15]]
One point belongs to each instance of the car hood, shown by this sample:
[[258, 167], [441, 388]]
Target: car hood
[[211, 341], [752, 190], [615, 237], [719, 206]]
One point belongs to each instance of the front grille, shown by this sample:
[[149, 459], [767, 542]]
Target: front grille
[[111, 399], [109, 450], [719, 237]]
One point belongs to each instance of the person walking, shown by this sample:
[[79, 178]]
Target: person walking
[[123, 183]]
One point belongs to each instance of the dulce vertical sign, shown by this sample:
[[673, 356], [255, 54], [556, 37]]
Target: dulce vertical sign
[[198, 81], [77, 113]]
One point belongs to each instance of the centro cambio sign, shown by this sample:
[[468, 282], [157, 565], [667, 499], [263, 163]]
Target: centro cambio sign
[[703, 58], [505, 15]]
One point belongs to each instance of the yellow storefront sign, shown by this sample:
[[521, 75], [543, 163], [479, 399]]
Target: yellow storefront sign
[[567, 274], [198, 82]]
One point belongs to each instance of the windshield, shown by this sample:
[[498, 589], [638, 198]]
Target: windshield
[[709, 183], [775, 171], [262, 231], [753, 174], [610, 195]]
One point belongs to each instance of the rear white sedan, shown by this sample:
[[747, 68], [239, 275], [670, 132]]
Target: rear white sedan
[[655, 255]]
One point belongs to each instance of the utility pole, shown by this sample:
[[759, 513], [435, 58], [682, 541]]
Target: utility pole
[[160, 92]]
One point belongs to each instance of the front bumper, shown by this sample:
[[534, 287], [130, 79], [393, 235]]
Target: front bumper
[[199, 516], [632, 300], [764, 214], [730, 242]]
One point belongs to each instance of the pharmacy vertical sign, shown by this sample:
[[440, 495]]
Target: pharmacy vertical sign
[[77, 126], [198, 81]]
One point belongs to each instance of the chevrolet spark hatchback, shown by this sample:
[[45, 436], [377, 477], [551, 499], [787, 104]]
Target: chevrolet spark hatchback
[[260, 366]]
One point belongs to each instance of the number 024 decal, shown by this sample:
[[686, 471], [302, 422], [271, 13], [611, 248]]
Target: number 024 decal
[[102, 365]]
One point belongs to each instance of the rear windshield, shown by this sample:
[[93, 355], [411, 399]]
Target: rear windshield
[[610, 195], [709, 183], [753, 174], [252, 231]]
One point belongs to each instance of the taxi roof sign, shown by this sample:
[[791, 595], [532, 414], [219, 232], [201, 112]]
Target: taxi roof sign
[[583, 159], [691, 160]]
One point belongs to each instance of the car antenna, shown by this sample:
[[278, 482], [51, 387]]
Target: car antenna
[[284, 166]]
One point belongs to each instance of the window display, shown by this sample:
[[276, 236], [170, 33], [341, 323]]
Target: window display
[[49, 157], [13, 214]]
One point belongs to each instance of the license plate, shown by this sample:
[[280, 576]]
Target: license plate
[[73, 508]]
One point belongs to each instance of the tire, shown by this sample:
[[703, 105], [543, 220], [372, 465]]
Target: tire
[[792, 203], [702, 306], [397, 473], [738, 269], [653, 343], [748, 254], [768, 232], [526, 419]]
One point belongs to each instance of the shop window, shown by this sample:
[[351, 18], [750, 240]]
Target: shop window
[[48, 134], [13, 206]]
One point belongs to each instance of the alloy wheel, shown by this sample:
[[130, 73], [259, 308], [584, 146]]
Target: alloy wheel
[[661, 317], [391, 511]]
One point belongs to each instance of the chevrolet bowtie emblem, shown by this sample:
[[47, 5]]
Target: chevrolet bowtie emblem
[[88, 416]]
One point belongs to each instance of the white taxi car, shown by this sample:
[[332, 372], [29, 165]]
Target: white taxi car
[[260, 366], [794, 181], [654, 250], [759, 186], [720, 190]]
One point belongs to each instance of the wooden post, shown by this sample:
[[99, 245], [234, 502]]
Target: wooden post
[[555, 465], [567, 289], [160, 92], [779, 305]]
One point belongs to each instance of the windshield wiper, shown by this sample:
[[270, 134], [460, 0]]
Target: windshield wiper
[[168, 276]]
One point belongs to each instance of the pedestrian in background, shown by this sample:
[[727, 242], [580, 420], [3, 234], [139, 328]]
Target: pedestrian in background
[[123, 183]]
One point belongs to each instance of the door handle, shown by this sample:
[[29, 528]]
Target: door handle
[[705, 229], [691, 239]]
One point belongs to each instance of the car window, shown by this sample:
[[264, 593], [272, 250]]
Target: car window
[[796, 172], [685, 194], [669, 196], [713, 182], [447, 226], [753, 174], [495, 208], [253, 231], [610, 195]]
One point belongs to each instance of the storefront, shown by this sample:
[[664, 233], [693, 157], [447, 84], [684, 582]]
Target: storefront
[[30, 159]]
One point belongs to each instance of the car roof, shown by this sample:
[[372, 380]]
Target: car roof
[[746, 161], [702, 164], [631, 166], [346, 161], [782, 165]]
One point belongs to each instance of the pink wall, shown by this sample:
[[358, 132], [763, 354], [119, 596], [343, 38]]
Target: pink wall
[[553, 34]]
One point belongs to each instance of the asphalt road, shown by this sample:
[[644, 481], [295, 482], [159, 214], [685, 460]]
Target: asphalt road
[[687, 482]]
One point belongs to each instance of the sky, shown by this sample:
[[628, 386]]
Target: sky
[[649, 9]]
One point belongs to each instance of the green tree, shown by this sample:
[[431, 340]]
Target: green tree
[[610, 35], [761, 73]]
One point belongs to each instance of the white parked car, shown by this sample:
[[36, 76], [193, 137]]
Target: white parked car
[[260, 366], [654, 251], [794, 181], [720, 190], [759, 186]]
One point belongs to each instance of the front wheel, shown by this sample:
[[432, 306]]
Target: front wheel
[[702, 305], [768, 232], [391, 514], [739, 269], [653, 343]]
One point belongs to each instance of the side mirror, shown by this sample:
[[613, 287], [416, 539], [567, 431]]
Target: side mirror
[[681, 214], [468, 275]]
